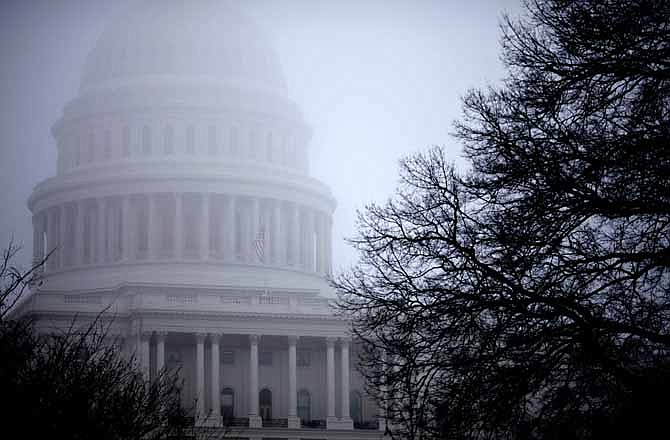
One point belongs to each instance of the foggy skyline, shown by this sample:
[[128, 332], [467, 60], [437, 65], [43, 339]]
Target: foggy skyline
[[375, 81]]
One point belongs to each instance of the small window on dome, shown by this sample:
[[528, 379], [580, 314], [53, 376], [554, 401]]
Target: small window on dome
[[91, 148], [77, 152], [108, 145], [169, 140], [211, 141], [146, 140], [190, 140], [268, 155], [126, 141], [233, 141]]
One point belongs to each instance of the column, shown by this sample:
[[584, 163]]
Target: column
[[152, 230], [38, 239], [346, 417], [178, 227], [144, 354], [100, 231], [214, 382], [329, 245], [255, 256], [200, 375], [330, 380], [295, 235], [229, 225], [51, 239], [382, 422], [61, 237], [293, 420], [323, 218], [310, 227], [160, 352], [79, 235], [254, 419], [126, 227], [204, 228], [275, 237]]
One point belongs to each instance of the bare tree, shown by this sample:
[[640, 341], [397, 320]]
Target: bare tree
[[77, 383], [14, 282], [530, 297]]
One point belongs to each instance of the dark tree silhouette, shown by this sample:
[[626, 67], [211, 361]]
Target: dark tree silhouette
[[530, 296], [76, 383]]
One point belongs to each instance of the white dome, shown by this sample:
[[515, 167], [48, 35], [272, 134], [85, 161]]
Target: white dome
[[180, 39]]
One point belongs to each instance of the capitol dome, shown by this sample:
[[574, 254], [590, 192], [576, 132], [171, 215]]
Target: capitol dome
[[178, 39], [181, 161]]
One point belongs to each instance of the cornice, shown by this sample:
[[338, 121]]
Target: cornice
[[258, 181]]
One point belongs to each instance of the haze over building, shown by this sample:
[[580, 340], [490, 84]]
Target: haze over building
[[183, 202]]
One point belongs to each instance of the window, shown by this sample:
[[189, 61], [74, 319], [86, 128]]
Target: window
[[143, 226], [265, 403], [77, 152], [174, 360], [304, 406], [146, 140], [91, 148], [190, 139], [356, 407], [211, 140], [190, 225], [89, 236], [126, 141], [108, 145], [169, 139], [265, 358], [269, 144], [233, 141], [303, 358], [228, 402], [228, 357]]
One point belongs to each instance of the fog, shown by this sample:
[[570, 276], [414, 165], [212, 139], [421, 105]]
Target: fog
[[375, 80]]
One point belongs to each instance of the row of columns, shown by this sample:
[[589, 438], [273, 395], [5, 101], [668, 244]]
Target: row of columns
[[133, 227], [212, 142], [253, 410]]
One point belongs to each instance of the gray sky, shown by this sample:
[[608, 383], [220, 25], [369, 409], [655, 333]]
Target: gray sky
[[376, 80]]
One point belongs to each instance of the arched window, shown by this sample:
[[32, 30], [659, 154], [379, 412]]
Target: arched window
[[126, 141], [190, 139], [146, 140], [169, 139], [228, 403], [356, 407], [213, 147], [265, 403], [304, 406]]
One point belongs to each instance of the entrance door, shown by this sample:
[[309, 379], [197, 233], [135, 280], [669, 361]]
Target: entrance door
[[265, 404]]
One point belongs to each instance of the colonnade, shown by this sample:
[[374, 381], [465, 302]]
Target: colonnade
[[208, 403], [82, 145], [184, 226]]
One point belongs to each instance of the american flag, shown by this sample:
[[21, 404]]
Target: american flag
[[259, 245]]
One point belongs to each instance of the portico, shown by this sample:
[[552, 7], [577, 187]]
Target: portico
[[208, 387]]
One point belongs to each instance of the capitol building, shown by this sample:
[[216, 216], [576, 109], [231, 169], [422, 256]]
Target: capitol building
[[183, 208]]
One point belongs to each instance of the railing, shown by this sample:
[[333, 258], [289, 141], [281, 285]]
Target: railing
[[315, 424], [275, 423], [235, 421], [366, 424]]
